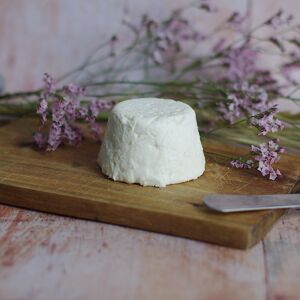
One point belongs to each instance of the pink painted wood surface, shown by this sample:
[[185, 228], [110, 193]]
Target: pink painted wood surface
[[56, 36], [282, 257], [50, 257]]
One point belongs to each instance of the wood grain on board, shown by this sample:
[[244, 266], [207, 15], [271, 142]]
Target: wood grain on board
[[69, 182]]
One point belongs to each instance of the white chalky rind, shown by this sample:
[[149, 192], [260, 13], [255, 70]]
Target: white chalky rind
[[153, 142]]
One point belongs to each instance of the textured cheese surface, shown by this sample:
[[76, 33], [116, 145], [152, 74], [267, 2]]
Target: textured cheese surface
[[153, 142]]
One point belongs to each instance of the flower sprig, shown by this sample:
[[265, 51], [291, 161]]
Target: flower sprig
[[66, 107], [262, 157]]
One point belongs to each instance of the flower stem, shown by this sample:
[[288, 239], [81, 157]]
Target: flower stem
[[141, 82], [8, 96]]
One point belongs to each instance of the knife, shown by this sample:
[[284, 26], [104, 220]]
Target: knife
[[240, 203]]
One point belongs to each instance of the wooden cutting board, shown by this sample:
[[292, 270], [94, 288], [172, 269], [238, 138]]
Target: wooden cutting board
[[69, 182]]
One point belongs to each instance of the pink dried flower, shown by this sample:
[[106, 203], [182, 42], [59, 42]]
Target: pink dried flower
[[62, 128], [49, 88], [49, 84], [240, 63], [96, 130], [81, 112], [66, 109], [73, 90], [98, 106], [40, 140], [64, 114], [280, 19], [54, 137], [266, 122], [207, 6], [95, 108], [42, 109], [241, 164], [167, 36], [73, 134], [237, 21], [232, 110], [58, 112], [266, 154], [243, 101], [179, 29]]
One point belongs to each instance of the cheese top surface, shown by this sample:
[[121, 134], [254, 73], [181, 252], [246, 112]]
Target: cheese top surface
[[151, 108], [153, 142]]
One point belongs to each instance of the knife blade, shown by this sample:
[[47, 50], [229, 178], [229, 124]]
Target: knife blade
[[240, 203]]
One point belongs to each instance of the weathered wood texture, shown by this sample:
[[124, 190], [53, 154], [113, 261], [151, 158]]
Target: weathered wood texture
[[282, 257], [46, 257], [69, 182]]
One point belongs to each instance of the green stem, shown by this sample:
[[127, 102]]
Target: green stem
[[121, 94], [8, 96], [18, 110], [219, 154], [226, 126], [295, 100], [129, 82]]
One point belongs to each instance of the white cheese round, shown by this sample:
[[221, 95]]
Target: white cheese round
[[153, 142]]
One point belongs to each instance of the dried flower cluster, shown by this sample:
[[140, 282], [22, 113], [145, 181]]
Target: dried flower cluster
[[165, 37], [265, 155], [265, 122], [66, 108]]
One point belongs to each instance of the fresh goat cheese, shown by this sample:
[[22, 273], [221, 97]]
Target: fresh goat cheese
[[153, 142]]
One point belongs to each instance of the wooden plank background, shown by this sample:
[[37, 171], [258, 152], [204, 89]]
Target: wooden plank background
[[51, 257]]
